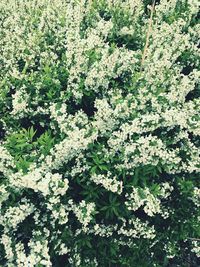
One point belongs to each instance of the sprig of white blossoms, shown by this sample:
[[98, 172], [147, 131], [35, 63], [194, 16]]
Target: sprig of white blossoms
[[142, 197], [108, 182], [38, 252], [4, 194], [15, 215], [6, 161], [83, 211], [19, 102], [196, 248], [133, 228], [196, 196], [45, 183]]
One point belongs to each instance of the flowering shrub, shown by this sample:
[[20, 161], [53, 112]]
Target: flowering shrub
[[99, 128]]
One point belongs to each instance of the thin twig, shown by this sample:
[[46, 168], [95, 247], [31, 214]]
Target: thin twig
[[148, 34]]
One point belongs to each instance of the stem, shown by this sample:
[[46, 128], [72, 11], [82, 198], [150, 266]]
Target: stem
[[148, 33]]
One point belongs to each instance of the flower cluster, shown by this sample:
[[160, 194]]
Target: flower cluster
[[14, 215], [196, 196], [151, 203], [110, 184], [84, 212]]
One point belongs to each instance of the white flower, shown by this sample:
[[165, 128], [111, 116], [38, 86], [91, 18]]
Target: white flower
[[84, 212], [108, 182]]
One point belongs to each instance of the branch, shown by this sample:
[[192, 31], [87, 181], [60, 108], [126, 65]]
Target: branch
[[148, 33]]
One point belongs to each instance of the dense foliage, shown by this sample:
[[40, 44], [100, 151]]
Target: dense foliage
[[99, 133]]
